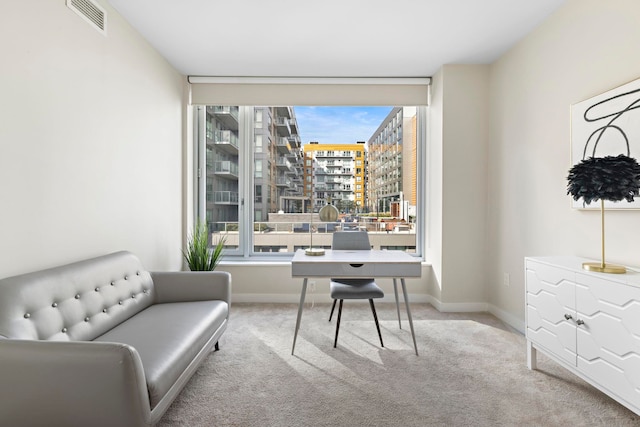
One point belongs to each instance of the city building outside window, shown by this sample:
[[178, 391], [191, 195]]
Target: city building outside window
[[259, 171]]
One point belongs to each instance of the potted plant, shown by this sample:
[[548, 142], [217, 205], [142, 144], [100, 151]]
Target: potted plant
[[198, 255]]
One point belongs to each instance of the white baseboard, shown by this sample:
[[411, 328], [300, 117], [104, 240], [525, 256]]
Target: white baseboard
[[508, 318], [314, 297], [459, 307], [266, 298]]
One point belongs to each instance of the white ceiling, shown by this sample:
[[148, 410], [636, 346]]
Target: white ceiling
[[331, 38]]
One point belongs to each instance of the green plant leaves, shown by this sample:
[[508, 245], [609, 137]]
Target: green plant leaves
[[198, 255]]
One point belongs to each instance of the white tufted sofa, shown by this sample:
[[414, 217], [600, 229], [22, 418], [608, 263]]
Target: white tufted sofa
[[102, 342]]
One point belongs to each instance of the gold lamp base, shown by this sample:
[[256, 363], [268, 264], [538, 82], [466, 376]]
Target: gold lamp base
[[314, 251], [604, 268]]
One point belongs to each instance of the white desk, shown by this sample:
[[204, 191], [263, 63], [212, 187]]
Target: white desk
[[354, 264]]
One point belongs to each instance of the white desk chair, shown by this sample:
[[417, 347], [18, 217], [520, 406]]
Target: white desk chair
[[342, 289]]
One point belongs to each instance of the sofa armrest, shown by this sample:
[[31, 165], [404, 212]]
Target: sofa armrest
[[71, 383], [182, 286]]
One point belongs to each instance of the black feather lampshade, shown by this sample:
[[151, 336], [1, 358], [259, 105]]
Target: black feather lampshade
[[612, 178]]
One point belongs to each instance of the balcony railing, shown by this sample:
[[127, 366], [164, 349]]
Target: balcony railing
[[224, 110], [226, 167], [225, 197], [283, 182], [293, 123], [284, 112], [295, 140], [282, 124], [227, 115], [392, 226], [226, 137], [283, 163], [282, 144]]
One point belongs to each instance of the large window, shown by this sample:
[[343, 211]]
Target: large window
[[264, 172]]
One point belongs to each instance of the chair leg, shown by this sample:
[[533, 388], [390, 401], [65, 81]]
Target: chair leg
[[332, 308], [335, 342], [375, 317]]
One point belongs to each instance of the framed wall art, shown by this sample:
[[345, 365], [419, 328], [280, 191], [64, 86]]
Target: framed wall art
[[607, 125]]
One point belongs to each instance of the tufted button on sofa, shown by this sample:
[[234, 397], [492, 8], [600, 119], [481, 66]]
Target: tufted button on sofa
[[102, 342]]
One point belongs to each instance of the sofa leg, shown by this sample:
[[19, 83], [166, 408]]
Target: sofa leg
[[216, 347]]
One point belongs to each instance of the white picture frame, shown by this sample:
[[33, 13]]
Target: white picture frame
[[605, 123]]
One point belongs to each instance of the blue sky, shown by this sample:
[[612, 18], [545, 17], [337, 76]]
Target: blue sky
[[339, 125]]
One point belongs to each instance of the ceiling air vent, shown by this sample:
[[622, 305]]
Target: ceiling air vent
[[90, 12]]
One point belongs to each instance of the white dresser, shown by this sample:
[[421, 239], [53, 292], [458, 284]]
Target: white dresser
[[588, 322]]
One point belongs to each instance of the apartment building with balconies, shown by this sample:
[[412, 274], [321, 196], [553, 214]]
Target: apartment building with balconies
[[335, 173], [392, 163], [221, 164], [277, 160]]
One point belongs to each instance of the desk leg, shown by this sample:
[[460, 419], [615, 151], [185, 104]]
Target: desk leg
[[406, 301], [300, 306], [395, 291]]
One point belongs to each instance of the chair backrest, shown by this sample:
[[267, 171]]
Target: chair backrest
[[351, 240]]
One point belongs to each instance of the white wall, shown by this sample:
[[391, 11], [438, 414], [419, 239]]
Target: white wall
[[457, 191], [433, 239], [587, 47], [498, 157], [90, 141], [464, 194], [91, 152]]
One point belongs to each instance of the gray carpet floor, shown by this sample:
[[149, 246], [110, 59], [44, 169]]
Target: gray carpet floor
[[471, 371]]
